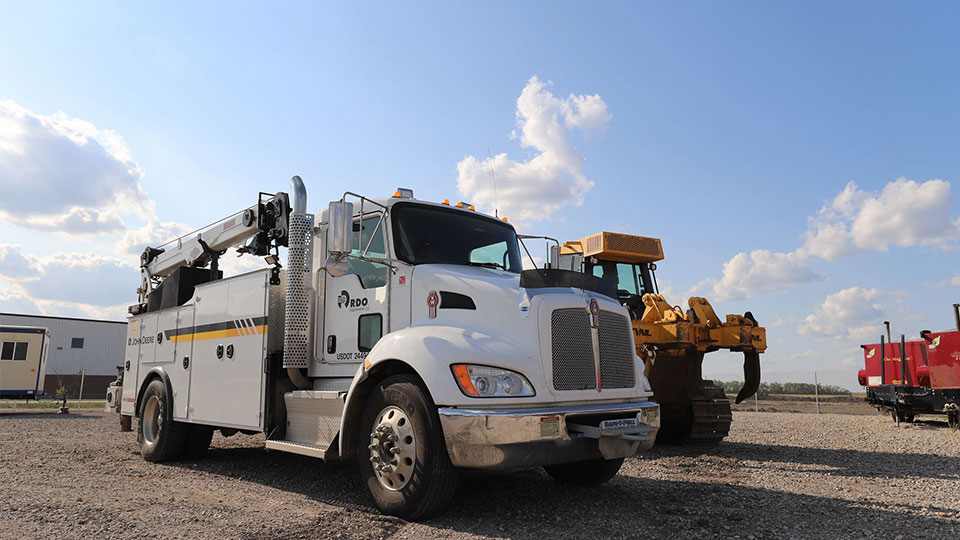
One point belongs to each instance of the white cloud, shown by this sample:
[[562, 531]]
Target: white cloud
[[15, 265], [84, 278], [537, 188], [745, 275], [853, 314], [905, 213], [59, 173], [955, 280]]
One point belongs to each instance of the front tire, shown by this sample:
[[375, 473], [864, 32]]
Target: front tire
[[161, 439], [401, 451], [589, 473]]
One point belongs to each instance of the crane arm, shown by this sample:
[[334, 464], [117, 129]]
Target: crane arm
[[265, 224]]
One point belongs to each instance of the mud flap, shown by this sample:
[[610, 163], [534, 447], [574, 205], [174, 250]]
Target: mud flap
[[751, 375]]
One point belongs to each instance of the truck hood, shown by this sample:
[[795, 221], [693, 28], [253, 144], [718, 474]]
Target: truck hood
[[495, 294]]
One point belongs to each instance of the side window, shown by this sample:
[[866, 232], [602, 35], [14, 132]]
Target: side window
[[371, 239], [76, 343], [14, 350], [369, 332]]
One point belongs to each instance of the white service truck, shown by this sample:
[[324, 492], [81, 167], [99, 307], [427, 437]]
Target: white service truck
[[402, 333]]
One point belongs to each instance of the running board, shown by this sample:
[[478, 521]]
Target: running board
[[298, 448]]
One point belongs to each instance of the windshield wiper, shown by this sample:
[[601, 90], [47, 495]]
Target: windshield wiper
[[487, 264]]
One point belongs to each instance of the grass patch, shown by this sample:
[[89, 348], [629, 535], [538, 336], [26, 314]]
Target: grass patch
[[20, 404]]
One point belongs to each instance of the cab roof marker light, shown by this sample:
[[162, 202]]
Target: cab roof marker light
[[446, 201], [459, 204], [504, 218], [472, 208]]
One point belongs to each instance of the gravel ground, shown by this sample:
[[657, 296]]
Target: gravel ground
[[778, 475]]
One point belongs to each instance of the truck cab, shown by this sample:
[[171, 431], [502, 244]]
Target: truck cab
[[407, 335]]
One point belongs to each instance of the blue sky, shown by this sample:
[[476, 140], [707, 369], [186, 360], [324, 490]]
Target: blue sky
[[720, 128]]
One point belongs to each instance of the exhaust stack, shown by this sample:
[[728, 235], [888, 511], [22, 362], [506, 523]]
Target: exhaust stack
[[296, 337]]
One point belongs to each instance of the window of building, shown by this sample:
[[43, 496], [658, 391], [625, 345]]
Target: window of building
[[369, 332], [14, 350], [76, 343]]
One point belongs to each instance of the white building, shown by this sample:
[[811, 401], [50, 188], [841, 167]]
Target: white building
[[92, 346]]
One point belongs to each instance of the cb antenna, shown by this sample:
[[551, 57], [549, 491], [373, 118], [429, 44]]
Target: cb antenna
[[493, 173]]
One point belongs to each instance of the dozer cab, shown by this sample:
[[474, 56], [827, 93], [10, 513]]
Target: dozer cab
[[671, 341]]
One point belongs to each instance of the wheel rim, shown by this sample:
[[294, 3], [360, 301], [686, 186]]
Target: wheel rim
[[151, 420], [393, 448]]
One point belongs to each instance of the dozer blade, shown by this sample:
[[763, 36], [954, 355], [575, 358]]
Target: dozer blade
[[751, 375]]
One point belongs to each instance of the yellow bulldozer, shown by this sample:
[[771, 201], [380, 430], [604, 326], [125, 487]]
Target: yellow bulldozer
[[672, 341]]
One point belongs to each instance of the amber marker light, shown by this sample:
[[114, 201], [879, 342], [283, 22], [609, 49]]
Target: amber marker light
[[462, 373], [446, 202]]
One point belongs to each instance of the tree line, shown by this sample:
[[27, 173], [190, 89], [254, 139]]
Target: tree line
[[773, 388]]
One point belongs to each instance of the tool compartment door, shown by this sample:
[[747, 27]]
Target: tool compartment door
[[229, 345], [131, 362]]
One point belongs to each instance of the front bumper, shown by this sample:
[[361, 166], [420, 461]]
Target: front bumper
[[518, 438]]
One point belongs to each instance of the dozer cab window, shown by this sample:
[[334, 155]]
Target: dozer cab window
[[371, 274], [626, 276]]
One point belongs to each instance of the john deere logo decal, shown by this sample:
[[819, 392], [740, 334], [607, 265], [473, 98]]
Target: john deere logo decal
[[872, 352], [935, 343]]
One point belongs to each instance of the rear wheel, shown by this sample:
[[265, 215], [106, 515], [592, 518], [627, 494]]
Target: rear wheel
[[405, 465], [161, 439], [197, 442], [588, 473]]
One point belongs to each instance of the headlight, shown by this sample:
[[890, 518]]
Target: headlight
[[486, 381]]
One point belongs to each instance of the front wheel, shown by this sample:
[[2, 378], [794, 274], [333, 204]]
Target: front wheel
[[405, 463], [592, 472], [161, 439]]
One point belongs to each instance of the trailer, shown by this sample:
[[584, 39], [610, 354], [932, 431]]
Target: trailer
[[915, 377], [23, 361], [402, 334]]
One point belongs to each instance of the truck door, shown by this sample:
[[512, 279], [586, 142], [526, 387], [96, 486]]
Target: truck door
[[356, 302]]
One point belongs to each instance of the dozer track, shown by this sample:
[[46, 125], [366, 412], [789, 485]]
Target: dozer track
[[711, 415]]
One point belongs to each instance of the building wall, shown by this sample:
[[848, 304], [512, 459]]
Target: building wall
[[103, 343]]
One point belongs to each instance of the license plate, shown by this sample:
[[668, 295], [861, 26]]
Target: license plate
[[620, 425]]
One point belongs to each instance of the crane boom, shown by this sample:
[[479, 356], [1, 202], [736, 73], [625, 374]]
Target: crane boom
[[265, 224]]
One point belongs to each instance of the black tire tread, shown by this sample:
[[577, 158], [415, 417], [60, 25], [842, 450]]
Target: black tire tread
[[197, 442], [172, 434], [588, 473]]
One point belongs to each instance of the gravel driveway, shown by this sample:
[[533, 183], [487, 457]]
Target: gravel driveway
[[778, 475]]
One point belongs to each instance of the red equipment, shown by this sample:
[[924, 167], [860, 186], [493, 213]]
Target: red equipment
[[915, 377]]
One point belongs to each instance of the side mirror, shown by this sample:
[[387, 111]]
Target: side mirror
[[340, 231], [554, 256]]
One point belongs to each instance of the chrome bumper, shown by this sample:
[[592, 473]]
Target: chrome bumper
[[517, 438]]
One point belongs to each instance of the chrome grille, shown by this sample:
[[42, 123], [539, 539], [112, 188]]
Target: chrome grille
[[617, 369], [572, 350]]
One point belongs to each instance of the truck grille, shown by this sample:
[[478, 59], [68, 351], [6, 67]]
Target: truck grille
[[574, 367], [572, 344], [617, 368]]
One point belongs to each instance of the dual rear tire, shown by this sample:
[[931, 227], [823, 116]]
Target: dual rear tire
[[161, 438]]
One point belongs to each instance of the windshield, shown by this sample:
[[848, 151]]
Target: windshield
[[425, 234]]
